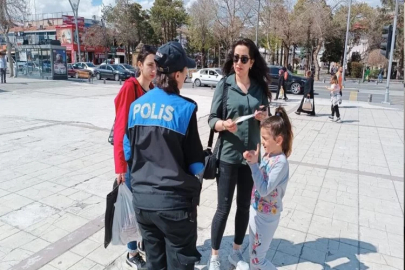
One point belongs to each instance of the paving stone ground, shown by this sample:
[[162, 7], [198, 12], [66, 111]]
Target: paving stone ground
[[344, 206]]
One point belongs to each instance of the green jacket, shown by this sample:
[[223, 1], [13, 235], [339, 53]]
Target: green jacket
[[238, 104]]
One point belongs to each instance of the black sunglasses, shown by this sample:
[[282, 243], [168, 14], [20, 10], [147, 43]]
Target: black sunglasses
[[244, 59]]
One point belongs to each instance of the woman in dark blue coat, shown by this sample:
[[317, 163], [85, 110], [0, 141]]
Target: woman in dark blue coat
[[308, 93]]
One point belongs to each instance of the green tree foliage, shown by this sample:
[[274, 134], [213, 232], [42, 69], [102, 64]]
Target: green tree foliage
[[333, 50], [201, 20], [130, 24], [167, 16]]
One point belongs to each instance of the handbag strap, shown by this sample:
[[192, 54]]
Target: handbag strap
[[224, 103]]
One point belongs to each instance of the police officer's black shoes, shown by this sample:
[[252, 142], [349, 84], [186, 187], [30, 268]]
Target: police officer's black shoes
[[136, 262]]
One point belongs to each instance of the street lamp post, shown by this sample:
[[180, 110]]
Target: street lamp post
[[75, 7], [394, 28], [347, 37], [257, 25]]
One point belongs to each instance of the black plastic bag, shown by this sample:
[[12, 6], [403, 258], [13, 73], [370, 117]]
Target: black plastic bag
[[109, 214]]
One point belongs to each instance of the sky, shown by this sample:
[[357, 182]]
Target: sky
[[88, 8]]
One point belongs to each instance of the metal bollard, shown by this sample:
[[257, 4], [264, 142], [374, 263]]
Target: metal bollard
[[104, 81], [212, 87], [192, 85], [358, 82], [370, 98], [120, 82], [323, 80]]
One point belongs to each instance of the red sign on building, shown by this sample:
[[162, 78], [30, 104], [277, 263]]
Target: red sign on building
[[70, 20]]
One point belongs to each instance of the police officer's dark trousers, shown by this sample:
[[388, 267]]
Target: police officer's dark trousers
[[170, 238]]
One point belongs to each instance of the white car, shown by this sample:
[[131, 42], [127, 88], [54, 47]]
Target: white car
[[206, 76]]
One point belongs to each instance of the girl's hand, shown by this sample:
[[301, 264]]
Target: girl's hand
[[252, 156], [120, 178], [230, 126], [261, 115]]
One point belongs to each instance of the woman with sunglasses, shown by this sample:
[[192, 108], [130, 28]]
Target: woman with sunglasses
[[247, 82]]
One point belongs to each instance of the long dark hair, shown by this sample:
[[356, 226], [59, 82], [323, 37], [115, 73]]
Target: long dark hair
[[145, 51], [280, 125], [258, 72]]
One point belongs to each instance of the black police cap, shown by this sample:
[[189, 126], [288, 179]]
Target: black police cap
[[171, 57]]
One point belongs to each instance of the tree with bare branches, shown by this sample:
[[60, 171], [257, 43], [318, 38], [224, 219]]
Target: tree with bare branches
[[130, 24], [232, 16], [99, 36], [11, 11], [201, 21], [375, 58]]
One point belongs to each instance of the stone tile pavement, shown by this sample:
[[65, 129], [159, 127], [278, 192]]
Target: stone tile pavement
[[344, 206]]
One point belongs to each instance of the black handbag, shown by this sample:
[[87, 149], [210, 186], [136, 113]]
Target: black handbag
[[109, 214], [111, 136], [211, 160]]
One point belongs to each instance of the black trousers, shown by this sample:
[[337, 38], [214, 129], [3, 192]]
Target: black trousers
[[170, 238], [335, 109], [231, 176], [3, 75], [302, 102], [278, 92]]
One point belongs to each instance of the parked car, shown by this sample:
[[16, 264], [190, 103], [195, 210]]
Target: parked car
[[74, 71], [30, 67], [87, 65], [129, 68], [295, 84], [115, 72], [206, 76]]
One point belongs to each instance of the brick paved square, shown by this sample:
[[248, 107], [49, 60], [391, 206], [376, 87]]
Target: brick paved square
[[343, 208]]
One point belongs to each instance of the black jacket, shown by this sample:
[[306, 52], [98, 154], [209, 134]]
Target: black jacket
[[309, 87], [164, 151]]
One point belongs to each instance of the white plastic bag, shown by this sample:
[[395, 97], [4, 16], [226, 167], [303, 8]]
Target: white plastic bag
[[125, 227]]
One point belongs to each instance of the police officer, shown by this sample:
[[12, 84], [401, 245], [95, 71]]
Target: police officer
[[165, 155]]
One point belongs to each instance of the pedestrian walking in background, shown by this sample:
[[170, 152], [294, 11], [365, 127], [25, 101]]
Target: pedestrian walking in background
[[3, 67], [270, 184], [335, 98], [247, 80], [282, 83], [132, 89], [381, 75], [367, 74], [308, 94], [165, 154]]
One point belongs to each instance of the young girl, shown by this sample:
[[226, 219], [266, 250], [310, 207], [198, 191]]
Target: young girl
[[270, 182], [335, 98]]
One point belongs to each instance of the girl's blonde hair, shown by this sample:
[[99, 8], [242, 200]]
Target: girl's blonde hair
[[280, 125], [334, 80]]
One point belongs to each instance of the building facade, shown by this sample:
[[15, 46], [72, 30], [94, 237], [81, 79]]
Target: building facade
[[43, 31]]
